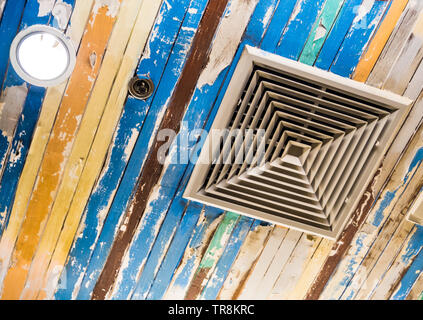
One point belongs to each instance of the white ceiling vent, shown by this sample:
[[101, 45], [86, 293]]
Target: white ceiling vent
[[294, 145]]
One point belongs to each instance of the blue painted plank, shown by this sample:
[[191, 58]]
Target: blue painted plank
[[272, 34], [150, 218], [198, 238], [19, 145], [356, 40], [161, 40], [298, 29], [221, 271], [416, 268], [337, 34], [194, 118], [9, 25]]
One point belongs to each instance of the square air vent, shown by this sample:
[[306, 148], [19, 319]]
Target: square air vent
[[294, 145]]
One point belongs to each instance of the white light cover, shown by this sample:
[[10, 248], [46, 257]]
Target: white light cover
[[43, 56]]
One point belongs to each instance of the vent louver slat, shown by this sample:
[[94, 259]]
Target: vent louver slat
[[298, 147]]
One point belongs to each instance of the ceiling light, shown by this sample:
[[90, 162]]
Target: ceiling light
[[42, 56]]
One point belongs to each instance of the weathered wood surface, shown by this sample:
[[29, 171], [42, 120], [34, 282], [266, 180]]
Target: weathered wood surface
[[96, 216]]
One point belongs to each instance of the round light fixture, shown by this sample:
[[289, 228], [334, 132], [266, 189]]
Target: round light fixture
[[42, 56]]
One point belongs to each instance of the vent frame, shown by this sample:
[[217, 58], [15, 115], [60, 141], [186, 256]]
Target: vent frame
[[397, 107]]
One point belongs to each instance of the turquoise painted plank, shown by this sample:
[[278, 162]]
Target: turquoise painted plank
[[162, 39], [320, 31], [337, 34], [357, 39], [221, 271], [194, 118], [298, 28], [416, 268]]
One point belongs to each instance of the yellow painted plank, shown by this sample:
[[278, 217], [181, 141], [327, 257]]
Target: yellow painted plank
[[312, 269], [99, 148], [93, 112], [58, 148], [367, 62], [48, 113]]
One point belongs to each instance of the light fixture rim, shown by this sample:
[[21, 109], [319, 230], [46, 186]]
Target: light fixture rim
[[66, 41]]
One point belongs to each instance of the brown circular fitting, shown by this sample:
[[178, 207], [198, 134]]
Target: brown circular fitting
[[140, 88]]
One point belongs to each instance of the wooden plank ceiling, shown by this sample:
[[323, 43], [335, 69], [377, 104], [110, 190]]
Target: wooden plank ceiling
[[87, 211]]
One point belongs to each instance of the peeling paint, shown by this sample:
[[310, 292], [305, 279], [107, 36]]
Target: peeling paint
[[227, 40], [13, 103], [61, 13], [320, 31], [112, 7], [363, 10], [45, 7]]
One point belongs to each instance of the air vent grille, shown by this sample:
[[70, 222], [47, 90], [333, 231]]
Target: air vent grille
[[294, 145]]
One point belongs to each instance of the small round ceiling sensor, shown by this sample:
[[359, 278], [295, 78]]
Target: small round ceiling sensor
[[42, 55]]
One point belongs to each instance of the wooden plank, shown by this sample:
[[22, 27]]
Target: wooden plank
[[382, 261], [160, 100], [371, 56], [161, 220], [408, 281], [359, 35], [270, 266], [59, 145], [73, 169], [294, 268], [400, 265], [172, 175], [311, 270], [15, 91], [298, 28], [139, 34], [247, 258], [213, 253], [210, 81], [23, 134], [409, 60], [39, 140], [9, 26], [416, 292], [337, 34], [175, 253], [395, 44], [385, 241], [320, 31], [152, 169], [256, 274], [206, 227], [188, 264], [223, 266]]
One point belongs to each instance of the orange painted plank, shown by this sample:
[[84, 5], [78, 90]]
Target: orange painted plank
[[367, 62], [89, 58]]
